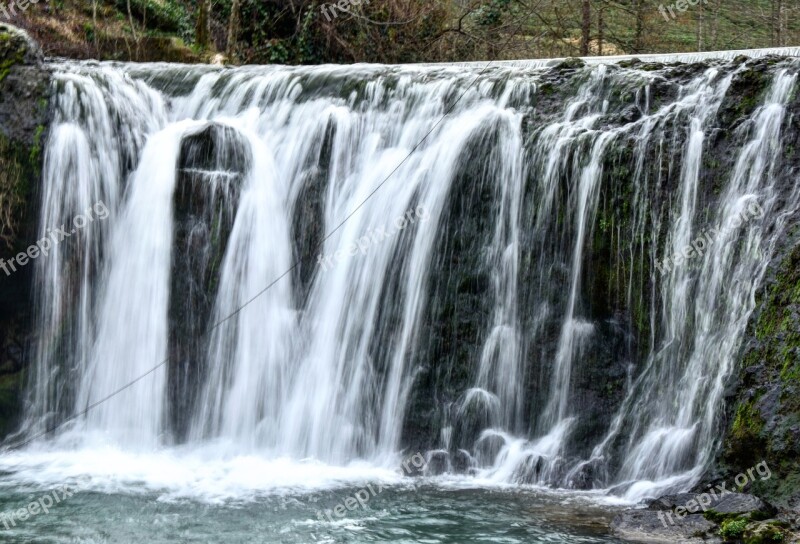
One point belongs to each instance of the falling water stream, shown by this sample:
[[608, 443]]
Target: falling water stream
[[254, 317]]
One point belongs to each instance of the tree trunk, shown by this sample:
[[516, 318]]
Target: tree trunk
[[777, 23], [233, 30], [95, 30], [600, 32], [639, 33], [133, 30], [700, 21], [586, 27], [715, 25], [202, 27]]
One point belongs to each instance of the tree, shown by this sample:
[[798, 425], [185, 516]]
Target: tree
[[777, 23], [586, 26], [202, 27], [700, 21], [233, 29], [639, 13]]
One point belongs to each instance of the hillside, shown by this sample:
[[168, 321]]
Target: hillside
[[311, 32]]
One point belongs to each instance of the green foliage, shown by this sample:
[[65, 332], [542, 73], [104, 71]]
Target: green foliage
[[12, 51], [732, 528], [164, 16], [88, 31], [764, 533], [491, 14], [13, 189], [392, 31]]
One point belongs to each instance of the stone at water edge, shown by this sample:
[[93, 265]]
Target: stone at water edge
[[647, 526], [671, 502], [742, 503], [698, 526], [16, 45]]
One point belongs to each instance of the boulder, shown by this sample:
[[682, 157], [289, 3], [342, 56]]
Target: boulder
[[671, 502], [656, 526], [17, 45], [739, 504], [768, 531]]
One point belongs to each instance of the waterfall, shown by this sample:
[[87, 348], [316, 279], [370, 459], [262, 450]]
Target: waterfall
[[703, 316], [340, 263]]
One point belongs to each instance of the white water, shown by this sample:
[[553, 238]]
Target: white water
[[678, 430], [291, 387]]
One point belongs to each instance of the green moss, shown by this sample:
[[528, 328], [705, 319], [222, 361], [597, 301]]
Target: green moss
[[36, 148], [748, 422], [716, 517], [13, 191], [763, 533], [12, 52], [547, 89], [771, 366], [733, 528]]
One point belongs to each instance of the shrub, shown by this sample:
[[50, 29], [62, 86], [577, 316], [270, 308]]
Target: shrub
[[732, 528]]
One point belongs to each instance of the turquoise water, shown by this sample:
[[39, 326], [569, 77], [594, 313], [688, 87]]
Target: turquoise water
[[428, 513]]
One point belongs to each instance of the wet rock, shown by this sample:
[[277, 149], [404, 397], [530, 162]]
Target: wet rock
[[462, 462], [438, 463], [571, 63], [212, 165], [308, 224], [24, 84], [767, 531], [630, 63], [214, 148], [735, 504], [584, 476], [695, 517], [658, 526], [17, 44], [630, 114], [671, 502]]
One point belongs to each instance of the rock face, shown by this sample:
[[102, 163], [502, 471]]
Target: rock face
[[738, 504], [655, 526], [211, 169], [24, 84], [764, 406], [703, 517], [763, 402]]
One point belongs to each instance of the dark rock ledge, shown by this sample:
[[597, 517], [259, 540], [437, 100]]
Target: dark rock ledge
[[703, 518], [24, 91]]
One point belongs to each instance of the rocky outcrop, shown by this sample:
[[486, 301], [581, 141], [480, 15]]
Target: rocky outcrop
[[24, 87], [763, 403], [211, 168], [704, 517], [654, 526]]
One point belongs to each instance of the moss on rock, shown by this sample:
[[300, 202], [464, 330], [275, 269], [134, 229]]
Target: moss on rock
[[765, 417], [24, 87]]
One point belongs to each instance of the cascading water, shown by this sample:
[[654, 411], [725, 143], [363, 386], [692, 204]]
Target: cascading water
[[447, 235]]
